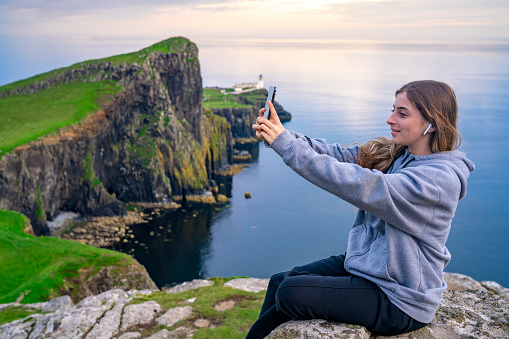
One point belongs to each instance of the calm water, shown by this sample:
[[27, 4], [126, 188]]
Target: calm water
[[342, 92]]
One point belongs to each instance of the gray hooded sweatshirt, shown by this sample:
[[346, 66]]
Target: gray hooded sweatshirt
[[398, 237]]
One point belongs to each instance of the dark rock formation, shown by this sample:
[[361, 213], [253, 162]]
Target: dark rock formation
[[151, 142]]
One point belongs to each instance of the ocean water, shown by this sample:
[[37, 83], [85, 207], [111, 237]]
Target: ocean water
[[341, 91]]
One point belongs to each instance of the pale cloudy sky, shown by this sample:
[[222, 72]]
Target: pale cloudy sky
[[343, 19], [53, 29]]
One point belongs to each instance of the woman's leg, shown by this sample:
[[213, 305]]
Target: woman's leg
[[346, 299], [333, 266], [270, 296], [392, 321], [269, 317], [324, 290], [266, 323]]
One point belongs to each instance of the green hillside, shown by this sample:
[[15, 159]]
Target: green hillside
[[214, 99], [40, 266], [26, 117], [138, 57]]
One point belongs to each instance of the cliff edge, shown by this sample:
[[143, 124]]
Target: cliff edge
[[147, 140], [226, 308]]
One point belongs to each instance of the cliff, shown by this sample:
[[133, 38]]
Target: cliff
[[226, 308], [240, 110], [148, 141]]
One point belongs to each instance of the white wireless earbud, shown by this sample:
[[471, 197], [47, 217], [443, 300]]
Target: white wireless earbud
[[427, 129]]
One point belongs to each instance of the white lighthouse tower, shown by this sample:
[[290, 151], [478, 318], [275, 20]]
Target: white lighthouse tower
[[260, 82]]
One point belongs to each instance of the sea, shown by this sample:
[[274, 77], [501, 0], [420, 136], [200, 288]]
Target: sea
[[341, 91]]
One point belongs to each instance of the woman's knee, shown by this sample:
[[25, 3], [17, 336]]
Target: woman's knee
[[291, 300], [276, 279]]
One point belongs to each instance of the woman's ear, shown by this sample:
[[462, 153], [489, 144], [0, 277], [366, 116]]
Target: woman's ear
[[430, 128]]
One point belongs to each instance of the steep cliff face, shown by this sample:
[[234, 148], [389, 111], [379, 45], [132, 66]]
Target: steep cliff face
[[150, 142]]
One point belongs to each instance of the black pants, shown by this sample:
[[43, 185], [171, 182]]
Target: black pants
[[325, 290]]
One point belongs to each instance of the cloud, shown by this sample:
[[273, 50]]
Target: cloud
[[399, 13], [353, 19], [69, 6]]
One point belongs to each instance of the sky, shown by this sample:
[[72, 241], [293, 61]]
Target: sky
[[53, 29]]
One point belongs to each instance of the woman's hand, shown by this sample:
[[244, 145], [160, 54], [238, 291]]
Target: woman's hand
[[268, 130]]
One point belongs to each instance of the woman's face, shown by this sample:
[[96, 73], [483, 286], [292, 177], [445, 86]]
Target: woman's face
[[408, 125]]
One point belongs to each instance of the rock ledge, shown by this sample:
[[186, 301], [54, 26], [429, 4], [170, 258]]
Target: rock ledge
[[465, 313]]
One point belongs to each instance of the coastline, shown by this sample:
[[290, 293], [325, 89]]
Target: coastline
[[106, 232]]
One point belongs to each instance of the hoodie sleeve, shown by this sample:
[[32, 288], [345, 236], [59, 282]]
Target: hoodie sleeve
[[320, 146], [406, 199]]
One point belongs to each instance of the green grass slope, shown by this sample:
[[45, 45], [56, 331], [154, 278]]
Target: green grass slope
[[214, 99], [40, 266], [26, 117]]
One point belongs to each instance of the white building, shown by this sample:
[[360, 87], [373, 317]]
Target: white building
[[246, 87]]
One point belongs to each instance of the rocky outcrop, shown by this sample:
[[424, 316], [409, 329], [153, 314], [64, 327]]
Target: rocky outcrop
[[318, 328], [88, 282], [189, 285], [466, 314], [241, 119], [94, 317], [104, 231], [100, 316], [469, 314], [248, 284], [126, 277], [467, 310], [149, 143]]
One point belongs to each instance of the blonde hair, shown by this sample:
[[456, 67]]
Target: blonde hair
[[437, 103]]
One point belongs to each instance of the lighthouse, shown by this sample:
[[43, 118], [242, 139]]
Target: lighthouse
[[260, 82]]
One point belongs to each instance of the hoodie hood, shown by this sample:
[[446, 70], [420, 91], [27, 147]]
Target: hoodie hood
[[456, 160]]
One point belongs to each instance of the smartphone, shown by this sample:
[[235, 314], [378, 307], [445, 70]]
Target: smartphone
[[270, 97]]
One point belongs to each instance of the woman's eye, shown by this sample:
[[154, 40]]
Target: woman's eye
[[392, 110]]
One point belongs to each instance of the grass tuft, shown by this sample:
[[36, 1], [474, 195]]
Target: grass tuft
[[12, 313]]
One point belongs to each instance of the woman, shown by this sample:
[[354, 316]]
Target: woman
[[407, 189]]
